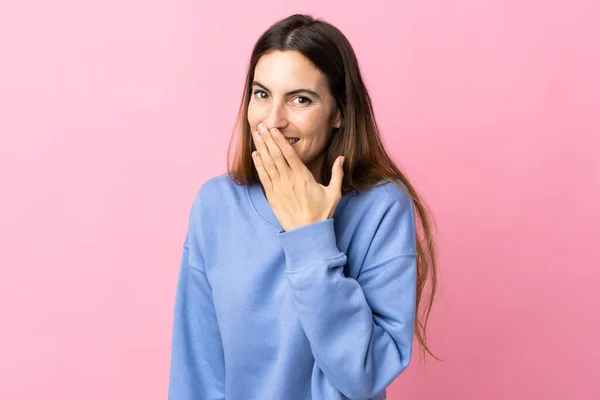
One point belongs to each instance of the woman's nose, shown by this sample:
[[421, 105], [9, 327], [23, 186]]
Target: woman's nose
[[276, 117]]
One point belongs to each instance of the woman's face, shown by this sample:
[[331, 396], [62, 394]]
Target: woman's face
[[289, 93]]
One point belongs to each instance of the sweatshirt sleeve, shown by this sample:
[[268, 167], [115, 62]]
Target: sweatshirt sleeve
[[360, 330], [197, 361]]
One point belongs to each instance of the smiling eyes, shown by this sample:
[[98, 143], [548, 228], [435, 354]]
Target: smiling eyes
[[305, 99]]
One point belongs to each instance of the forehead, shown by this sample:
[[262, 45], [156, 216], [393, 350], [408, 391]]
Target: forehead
[[287, 70]]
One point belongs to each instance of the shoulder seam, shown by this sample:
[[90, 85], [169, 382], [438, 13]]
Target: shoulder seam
[[384, 262]]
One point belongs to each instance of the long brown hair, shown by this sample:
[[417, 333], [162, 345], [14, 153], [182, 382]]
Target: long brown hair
[[358, 139]]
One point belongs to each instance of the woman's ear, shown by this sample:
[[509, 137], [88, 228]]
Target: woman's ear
[[337, 119]]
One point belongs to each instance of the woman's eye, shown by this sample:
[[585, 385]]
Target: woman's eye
[[306, 100], [257, 92]]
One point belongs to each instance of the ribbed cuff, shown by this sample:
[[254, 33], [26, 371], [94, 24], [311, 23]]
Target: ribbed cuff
[[309, 244]]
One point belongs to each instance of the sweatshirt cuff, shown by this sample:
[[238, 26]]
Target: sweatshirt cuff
[[309, 243]]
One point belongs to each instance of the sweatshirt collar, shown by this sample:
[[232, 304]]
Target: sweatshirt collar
[[261, 205]]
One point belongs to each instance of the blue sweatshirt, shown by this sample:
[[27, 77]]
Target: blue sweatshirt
[[324, 312]]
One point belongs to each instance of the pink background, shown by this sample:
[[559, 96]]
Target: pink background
[[112, 113]]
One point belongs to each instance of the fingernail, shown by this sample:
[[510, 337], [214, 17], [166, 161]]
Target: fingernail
[[342, 161], [261, 127], [256, 135], [274, 132]]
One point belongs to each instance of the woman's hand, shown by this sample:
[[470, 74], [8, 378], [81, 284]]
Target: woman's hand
[[296, 198]]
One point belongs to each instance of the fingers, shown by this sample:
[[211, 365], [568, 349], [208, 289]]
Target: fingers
[[262, 172], [292, 159], [267, 161], [275, 149], [337, 176]]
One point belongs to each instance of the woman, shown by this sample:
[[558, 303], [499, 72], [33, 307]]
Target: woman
[[301, 278]]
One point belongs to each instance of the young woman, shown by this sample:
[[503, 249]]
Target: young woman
[[303, 267]]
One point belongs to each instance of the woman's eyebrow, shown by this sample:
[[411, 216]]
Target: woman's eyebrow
[[311, 92]]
